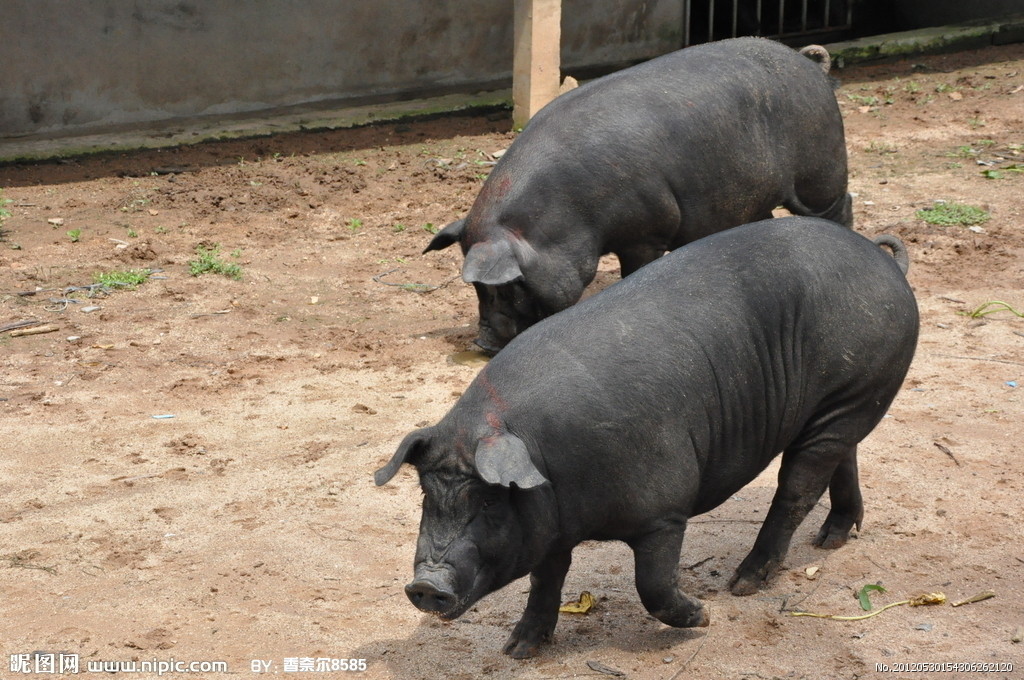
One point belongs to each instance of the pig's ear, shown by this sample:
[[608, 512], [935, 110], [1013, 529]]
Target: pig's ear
[[447, 236], [503, 459], [491, 263], [413, 444]]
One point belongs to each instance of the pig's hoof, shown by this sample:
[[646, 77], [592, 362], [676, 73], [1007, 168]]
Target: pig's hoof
[[835, 531], [525, 640], [688, 617], [749, 581], [742, 585], [520, 648]]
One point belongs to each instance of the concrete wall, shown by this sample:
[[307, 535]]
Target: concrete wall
[[922, 13], [78, 66]]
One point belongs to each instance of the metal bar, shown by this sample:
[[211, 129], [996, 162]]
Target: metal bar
[[759, 31], [803, 16], [686, 23], [735, 16], [711, 20], [828, 14], [782, 13]]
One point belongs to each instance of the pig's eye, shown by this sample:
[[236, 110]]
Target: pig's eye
[[490, 499]]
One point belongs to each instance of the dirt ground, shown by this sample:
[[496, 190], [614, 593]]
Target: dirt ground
[[246, 527]]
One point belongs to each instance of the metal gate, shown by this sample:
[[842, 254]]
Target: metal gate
[[785, 20]]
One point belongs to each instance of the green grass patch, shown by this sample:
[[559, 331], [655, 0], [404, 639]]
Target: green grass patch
[[128, 279], [4, 202], [208, 261], [991, 307], [953, 214]]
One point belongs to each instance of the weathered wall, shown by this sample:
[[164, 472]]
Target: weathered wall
[[70, 67], [921, 13]]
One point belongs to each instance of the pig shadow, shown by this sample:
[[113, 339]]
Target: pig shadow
[[716, 543]]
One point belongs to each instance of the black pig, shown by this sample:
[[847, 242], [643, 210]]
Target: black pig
[[656, 400], [643, 161]]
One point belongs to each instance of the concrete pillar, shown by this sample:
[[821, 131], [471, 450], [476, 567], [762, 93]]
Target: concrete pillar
[[535, 64]]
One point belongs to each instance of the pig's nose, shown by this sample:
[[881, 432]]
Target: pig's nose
[[429, 598]]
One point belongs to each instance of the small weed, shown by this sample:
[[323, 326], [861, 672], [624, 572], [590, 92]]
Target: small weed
[[430, 228], [4, 212], [360, 162], [132, 233], [880, 147], [954, 165], [128, 279], [398, 228], [161, 230], [353, 224], [944, 87], [4, 202], [864, 99], [963, 151], [985, 142], [976, 123], [992, 173], [208, 262], [951, 214], [991, 307], [236, 253], [134, 203], [74, 235], [912, 87]]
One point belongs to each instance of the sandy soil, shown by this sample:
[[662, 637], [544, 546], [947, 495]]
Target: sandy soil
[[246, 527]]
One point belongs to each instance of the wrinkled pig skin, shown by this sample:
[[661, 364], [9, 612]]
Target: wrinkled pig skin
[[656, 400], [643, 161]]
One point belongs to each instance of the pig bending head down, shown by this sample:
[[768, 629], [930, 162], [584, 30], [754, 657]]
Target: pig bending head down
[[656, 400], [643, 161]]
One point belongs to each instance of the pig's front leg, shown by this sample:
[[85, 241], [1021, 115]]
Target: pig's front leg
[[656, 555], [537, 625]]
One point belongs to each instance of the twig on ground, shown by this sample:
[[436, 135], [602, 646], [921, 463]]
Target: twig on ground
[[697, 564], [998, 361], [20, 324], [692, 656], [415, 287], [35, 330], [946, 451]]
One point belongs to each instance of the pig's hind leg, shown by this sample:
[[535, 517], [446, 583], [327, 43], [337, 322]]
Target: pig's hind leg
[[537, 624], [656, 555], [847, 505], [807, 468]]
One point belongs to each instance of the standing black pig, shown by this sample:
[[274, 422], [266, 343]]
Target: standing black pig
[[654, 401], [644, 161]]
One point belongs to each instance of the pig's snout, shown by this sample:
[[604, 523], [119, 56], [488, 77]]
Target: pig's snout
[[495, 333], [431, 597]]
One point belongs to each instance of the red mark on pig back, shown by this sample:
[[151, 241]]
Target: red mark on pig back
[[487, 202], [493, 417]]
